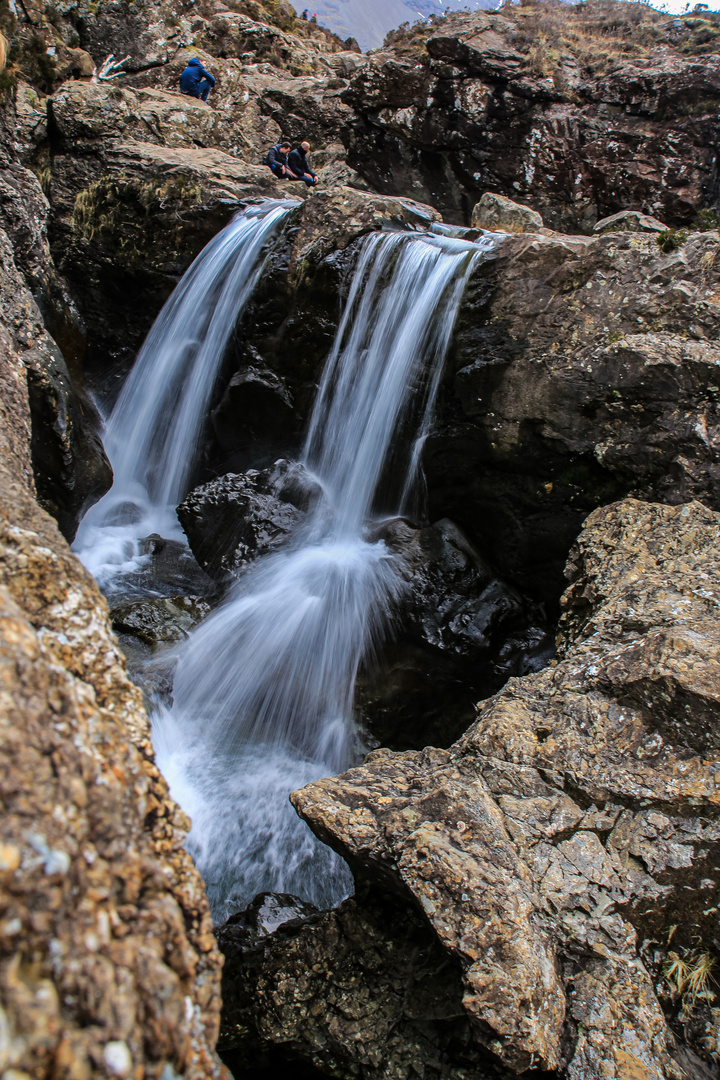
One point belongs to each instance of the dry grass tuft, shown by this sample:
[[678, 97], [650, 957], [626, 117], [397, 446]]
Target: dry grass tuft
[[689, 976]]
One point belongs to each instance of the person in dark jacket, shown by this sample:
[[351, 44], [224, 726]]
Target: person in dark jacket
[[195, 81], [298, 164], [277, 161]]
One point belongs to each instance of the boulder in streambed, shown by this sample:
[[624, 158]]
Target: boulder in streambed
[[497, 213], [234, 519], [366, 990]]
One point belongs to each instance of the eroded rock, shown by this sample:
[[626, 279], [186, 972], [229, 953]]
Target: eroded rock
[[108, 961], [527, 103], [500, 214], [458, 634], [583, 370], [233, 520], [552, 848]]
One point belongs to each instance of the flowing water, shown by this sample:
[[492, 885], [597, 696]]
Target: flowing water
[[153, 433], [263, 689], [263, 695]]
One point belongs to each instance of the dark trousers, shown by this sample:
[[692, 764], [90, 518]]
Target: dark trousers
[[201, 91], [309, 181]]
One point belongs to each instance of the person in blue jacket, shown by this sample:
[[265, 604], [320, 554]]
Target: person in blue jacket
[[195, 81]]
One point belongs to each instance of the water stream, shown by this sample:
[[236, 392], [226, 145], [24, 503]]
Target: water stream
[[263, 690], [153, 432]]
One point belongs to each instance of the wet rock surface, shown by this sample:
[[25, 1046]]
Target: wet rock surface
[[458, 634], [518, 890], [582, 370], [575, 818], [391, 1007], [233, 520], [69, 463]]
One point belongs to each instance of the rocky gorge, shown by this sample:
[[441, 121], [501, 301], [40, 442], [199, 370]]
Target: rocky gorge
[[533, 840]]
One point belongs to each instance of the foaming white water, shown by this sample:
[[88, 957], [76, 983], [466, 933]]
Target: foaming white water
[[153, 433], [263, 695]]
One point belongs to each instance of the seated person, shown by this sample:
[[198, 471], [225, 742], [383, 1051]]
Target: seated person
[[298, 163], [277, 161], [195, 81]]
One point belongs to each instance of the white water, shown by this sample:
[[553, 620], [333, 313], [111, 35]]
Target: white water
[[263, 694], [153, 433], [263, 690]]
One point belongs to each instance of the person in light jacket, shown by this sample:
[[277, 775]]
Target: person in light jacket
[[195, 81]]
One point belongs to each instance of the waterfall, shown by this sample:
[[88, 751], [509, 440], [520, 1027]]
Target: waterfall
[[153, 433], [263, 691]]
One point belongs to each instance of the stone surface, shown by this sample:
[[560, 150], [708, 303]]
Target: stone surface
[[629, 221], [69, 462], [500, 214], [555, 844], [458, 634], [364, 990], [107, 959], [233, 520], [581, 112], [582, 370]]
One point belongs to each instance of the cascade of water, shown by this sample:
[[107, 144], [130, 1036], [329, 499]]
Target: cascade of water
[[154, 430], [263, 694]]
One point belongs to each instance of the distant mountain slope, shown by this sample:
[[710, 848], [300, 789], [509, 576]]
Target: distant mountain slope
[[368, 21]]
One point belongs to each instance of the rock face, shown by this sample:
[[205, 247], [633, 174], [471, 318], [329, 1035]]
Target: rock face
[[233, 520], [552, 846], [391, 1008], [579, 112], [107, 961], [69, 462], [582, 370], [458, 634]]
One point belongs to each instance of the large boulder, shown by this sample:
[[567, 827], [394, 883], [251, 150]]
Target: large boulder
[[564, 852], [233, 520], [500, 214], [582, 370]]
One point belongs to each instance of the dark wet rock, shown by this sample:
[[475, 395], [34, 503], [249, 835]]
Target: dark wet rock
[[459, 634], [162, 621], [150, 632], [554, 846], [454, 600], [256, 411], [364, 990], [238, 517], [262, 917], [69, 463], [582, 370], [173, 564]]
